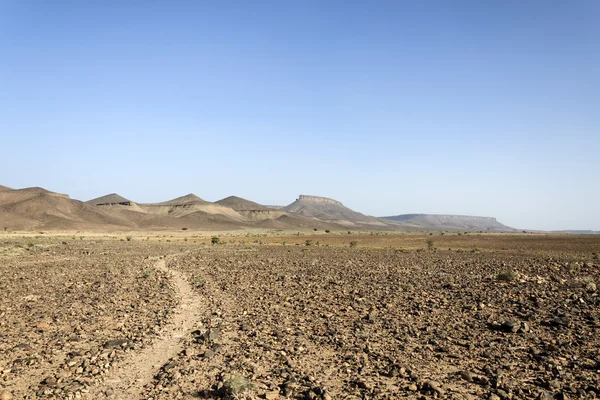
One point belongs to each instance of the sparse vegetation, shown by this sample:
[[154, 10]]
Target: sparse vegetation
[[236, 387], [430, 244], [353, 243], [215, 240], [308, 242], [507, 276], [128, 238]]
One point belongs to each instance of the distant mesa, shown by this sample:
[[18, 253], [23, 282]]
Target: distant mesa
[[441, 222], [110, 200], [240, 204]]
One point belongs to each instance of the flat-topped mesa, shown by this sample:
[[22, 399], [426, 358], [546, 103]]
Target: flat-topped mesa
[[450, 216], [318, 199]]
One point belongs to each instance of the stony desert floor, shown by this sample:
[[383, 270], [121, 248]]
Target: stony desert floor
[[299, 316]]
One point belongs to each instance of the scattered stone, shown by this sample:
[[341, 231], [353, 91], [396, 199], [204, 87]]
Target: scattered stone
[[433, 386], [272, 395], [560, 321], [42, 326], [5, 395], [510, 326]]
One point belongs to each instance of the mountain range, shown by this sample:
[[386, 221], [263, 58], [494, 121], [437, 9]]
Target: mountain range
[[36, 208]]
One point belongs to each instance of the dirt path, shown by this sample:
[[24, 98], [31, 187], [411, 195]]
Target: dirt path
[[129, 378]]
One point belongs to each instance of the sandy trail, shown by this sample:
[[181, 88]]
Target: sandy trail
[[130, 376]]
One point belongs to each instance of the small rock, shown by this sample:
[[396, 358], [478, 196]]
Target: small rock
[[42, 326], [434, 386], [5, 395], [554, 384], [116, 343], [559, 321], [272, 395], [510, 326], [467, 376], [212, 334]]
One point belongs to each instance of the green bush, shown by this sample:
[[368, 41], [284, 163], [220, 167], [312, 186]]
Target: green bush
[[234, 387], [507, 276]]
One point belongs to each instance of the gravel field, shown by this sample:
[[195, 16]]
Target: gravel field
[[390, 317]]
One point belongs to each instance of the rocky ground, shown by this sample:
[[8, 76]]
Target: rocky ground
[[71, 309], [305, 321]]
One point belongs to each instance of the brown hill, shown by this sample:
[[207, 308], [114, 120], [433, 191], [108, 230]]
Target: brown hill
[[4, 188], [240, 204], [189, 204], [110, 199], [187, 199], [37, 208]]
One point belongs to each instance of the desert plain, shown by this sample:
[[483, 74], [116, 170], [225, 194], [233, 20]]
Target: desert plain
[[299, 315]]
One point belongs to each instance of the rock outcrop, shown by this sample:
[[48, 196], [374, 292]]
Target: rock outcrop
[[318, 199]]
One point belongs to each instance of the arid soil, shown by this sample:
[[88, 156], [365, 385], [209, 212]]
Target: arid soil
[[497, 316]]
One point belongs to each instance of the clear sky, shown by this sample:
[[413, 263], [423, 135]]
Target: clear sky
[[468, 107]]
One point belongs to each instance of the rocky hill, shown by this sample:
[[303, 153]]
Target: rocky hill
[[37, 208], [240, 204], [183, 200], [330, 210], [110, 199]]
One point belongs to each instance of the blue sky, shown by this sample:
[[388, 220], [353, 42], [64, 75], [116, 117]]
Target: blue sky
[[467, 107]]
